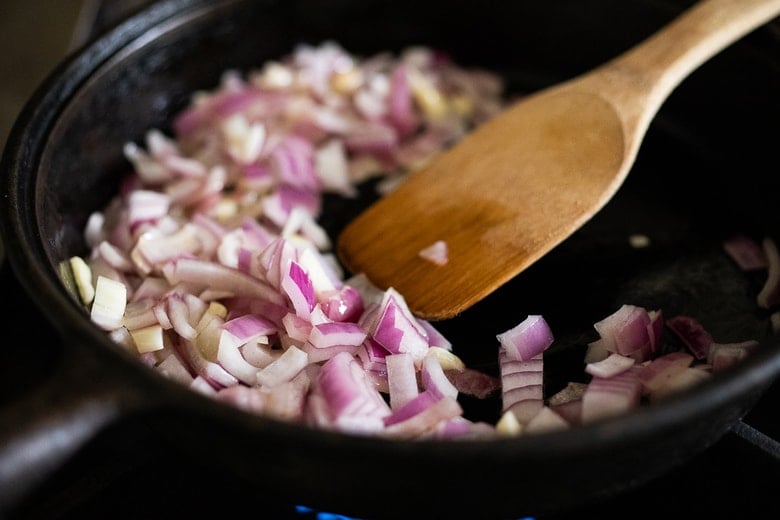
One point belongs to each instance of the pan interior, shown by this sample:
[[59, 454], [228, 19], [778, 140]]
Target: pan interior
[[705, 171]]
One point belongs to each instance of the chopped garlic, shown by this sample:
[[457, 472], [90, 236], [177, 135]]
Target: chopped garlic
[[638, 241], [82, 274], [108, 305], [447, 359], [244, 141], [508, 425], [427, 96], [148, 339]]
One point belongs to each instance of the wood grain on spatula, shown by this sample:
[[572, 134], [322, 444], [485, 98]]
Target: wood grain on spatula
[[524, 181]]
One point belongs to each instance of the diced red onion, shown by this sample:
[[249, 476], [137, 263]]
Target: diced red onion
[[746, 252], [527, 339], [658, 371], [692, 333], [211, 265], [724, 355], [606, 397]]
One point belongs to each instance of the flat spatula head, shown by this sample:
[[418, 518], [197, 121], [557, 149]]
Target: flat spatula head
[[500, 199]]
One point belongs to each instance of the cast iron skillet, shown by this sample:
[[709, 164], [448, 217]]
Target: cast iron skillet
[[707, 170]]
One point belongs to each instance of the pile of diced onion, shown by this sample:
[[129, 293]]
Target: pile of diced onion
[[211, 266]]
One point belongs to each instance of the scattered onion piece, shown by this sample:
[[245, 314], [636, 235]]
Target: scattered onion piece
[[437, 253], [746, 252], [610, 366]]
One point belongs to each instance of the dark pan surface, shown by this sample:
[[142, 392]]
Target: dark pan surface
[[706, 170]]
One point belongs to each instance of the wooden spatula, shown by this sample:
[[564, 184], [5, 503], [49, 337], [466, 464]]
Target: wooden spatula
[[523, 182]]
